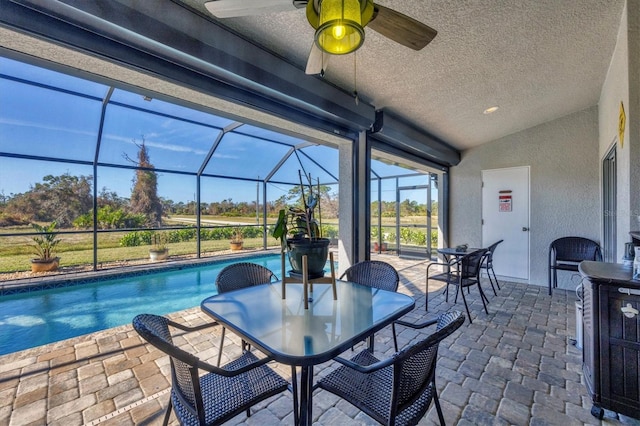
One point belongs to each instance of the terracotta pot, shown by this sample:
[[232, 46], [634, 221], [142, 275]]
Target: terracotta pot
[[156, 255], [377, 247], [236, 246], [50, 265]]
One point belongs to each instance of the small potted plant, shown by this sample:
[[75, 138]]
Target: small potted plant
[[159, 251], [45, 244], [237, 239], [300, 233]]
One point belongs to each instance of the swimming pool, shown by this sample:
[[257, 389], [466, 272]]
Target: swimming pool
[[40, 317]]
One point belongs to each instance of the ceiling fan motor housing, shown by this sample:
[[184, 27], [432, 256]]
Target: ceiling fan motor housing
[[339, 24]]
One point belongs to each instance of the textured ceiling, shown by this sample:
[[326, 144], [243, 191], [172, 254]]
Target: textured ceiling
[[536, 59]]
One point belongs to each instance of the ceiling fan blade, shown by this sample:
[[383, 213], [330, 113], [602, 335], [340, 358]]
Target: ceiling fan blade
[[234, 8], [401, 28], [317, 62]]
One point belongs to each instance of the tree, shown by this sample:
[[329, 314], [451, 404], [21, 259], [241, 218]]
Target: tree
[[58, 198], [144, 195], [329, 200]]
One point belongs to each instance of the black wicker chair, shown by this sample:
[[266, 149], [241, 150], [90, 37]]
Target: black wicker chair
[[461, 273], [487, 265], [217, 396], [397, 390], [376, 274], [240, 275], [567, 252]]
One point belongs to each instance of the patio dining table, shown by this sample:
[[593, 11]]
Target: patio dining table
[[451, 254], [293, 335]]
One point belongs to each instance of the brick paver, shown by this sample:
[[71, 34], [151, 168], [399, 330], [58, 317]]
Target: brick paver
[[515, 365]]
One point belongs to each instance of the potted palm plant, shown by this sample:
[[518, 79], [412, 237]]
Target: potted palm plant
[[300, 233], [159, 251], [45, 244], [237, 239]]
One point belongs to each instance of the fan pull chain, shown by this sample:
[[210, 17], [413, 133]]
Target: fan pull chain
[[355, 79], [322, 66]]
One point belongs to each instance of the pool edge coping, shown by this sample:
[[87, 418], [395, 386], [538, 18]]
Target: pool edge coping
[[27, 285]]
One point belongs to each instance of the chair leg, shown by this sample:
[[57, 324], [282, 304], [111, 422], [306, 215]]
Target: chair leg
[[553, 280], [221, 343], [395, 339], [483, 297], [436, 401], [464, 299], [245, 346], [491, 282], [426, 294], [167, 413], [495, 278]]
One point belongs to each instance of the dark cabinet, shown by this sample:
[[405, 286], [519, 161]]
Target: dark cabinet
[[611, 347]]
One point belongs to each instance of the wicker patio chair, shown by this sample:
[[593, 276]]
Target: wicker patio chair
[[376, 274], [397, 390], [487, 265], [566, 253], [240, 275], [464, 272], [221, 393]]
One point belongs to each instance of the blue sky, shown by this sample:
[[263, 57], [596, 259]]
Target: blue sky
[[64, 123]]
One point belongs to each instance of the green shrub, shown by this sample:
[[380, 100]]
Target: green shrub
[[137, 238], [110, 218], [330, 231], [252, 231], [181, 235]]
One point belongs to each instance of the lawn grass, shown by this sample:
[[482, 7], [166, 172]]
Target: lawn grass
[[77, 257], [77, 249]]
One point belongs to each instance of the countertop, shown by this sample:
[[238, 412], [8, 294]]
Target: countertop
[[612, 273]]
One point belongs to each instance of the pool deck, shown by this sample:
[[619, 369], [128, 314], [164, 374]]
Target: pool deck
[[513, 366]]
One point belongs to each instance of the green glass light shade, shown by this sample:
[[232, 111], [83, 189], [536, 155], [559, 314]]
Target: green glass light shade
[[340, 28]]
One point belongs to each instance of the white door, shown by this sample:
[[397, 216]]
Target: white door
[[505, 216]]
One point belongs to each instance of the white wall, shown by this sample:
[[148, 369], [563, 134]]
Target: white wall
[[622, 84], [615, 89], [565, 193]]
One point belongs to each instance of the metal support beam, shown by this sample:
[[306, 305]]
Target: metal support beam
[[405, 137], [173, 42]]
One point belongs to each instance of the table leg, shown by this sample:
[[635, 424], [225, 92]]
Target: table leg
[[306, 399], [294, 391]]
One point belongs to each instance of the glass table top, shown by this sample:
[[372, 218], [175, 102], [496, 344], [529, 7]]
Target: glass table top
[[293, 335]]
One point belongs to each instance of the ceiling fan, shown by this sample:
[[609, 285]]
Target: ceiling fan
[[339, 24]]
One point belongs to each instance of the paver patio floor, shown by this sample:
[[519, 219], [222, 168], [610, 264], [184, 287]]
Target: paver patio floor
[[516, 366]]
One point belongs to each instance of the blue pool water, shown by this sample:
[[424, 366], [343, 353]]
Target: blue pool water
[[40, 317]]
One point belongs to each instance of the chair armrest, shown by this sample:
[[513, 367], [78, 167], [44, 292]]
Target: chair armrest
[[446, 265], [365, 368], [419, 325], [231, 373], [191, 329]]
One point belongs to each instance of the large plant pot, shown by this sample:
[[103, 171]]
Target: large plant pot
[[316, 251], [378, 247], [50, 265], [236, 245], [156, 255]]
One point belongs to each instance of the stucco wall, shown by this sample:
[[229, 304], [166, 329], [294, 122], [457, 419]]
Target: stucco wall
[[622, 84], [615, 89], [565, 197]]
